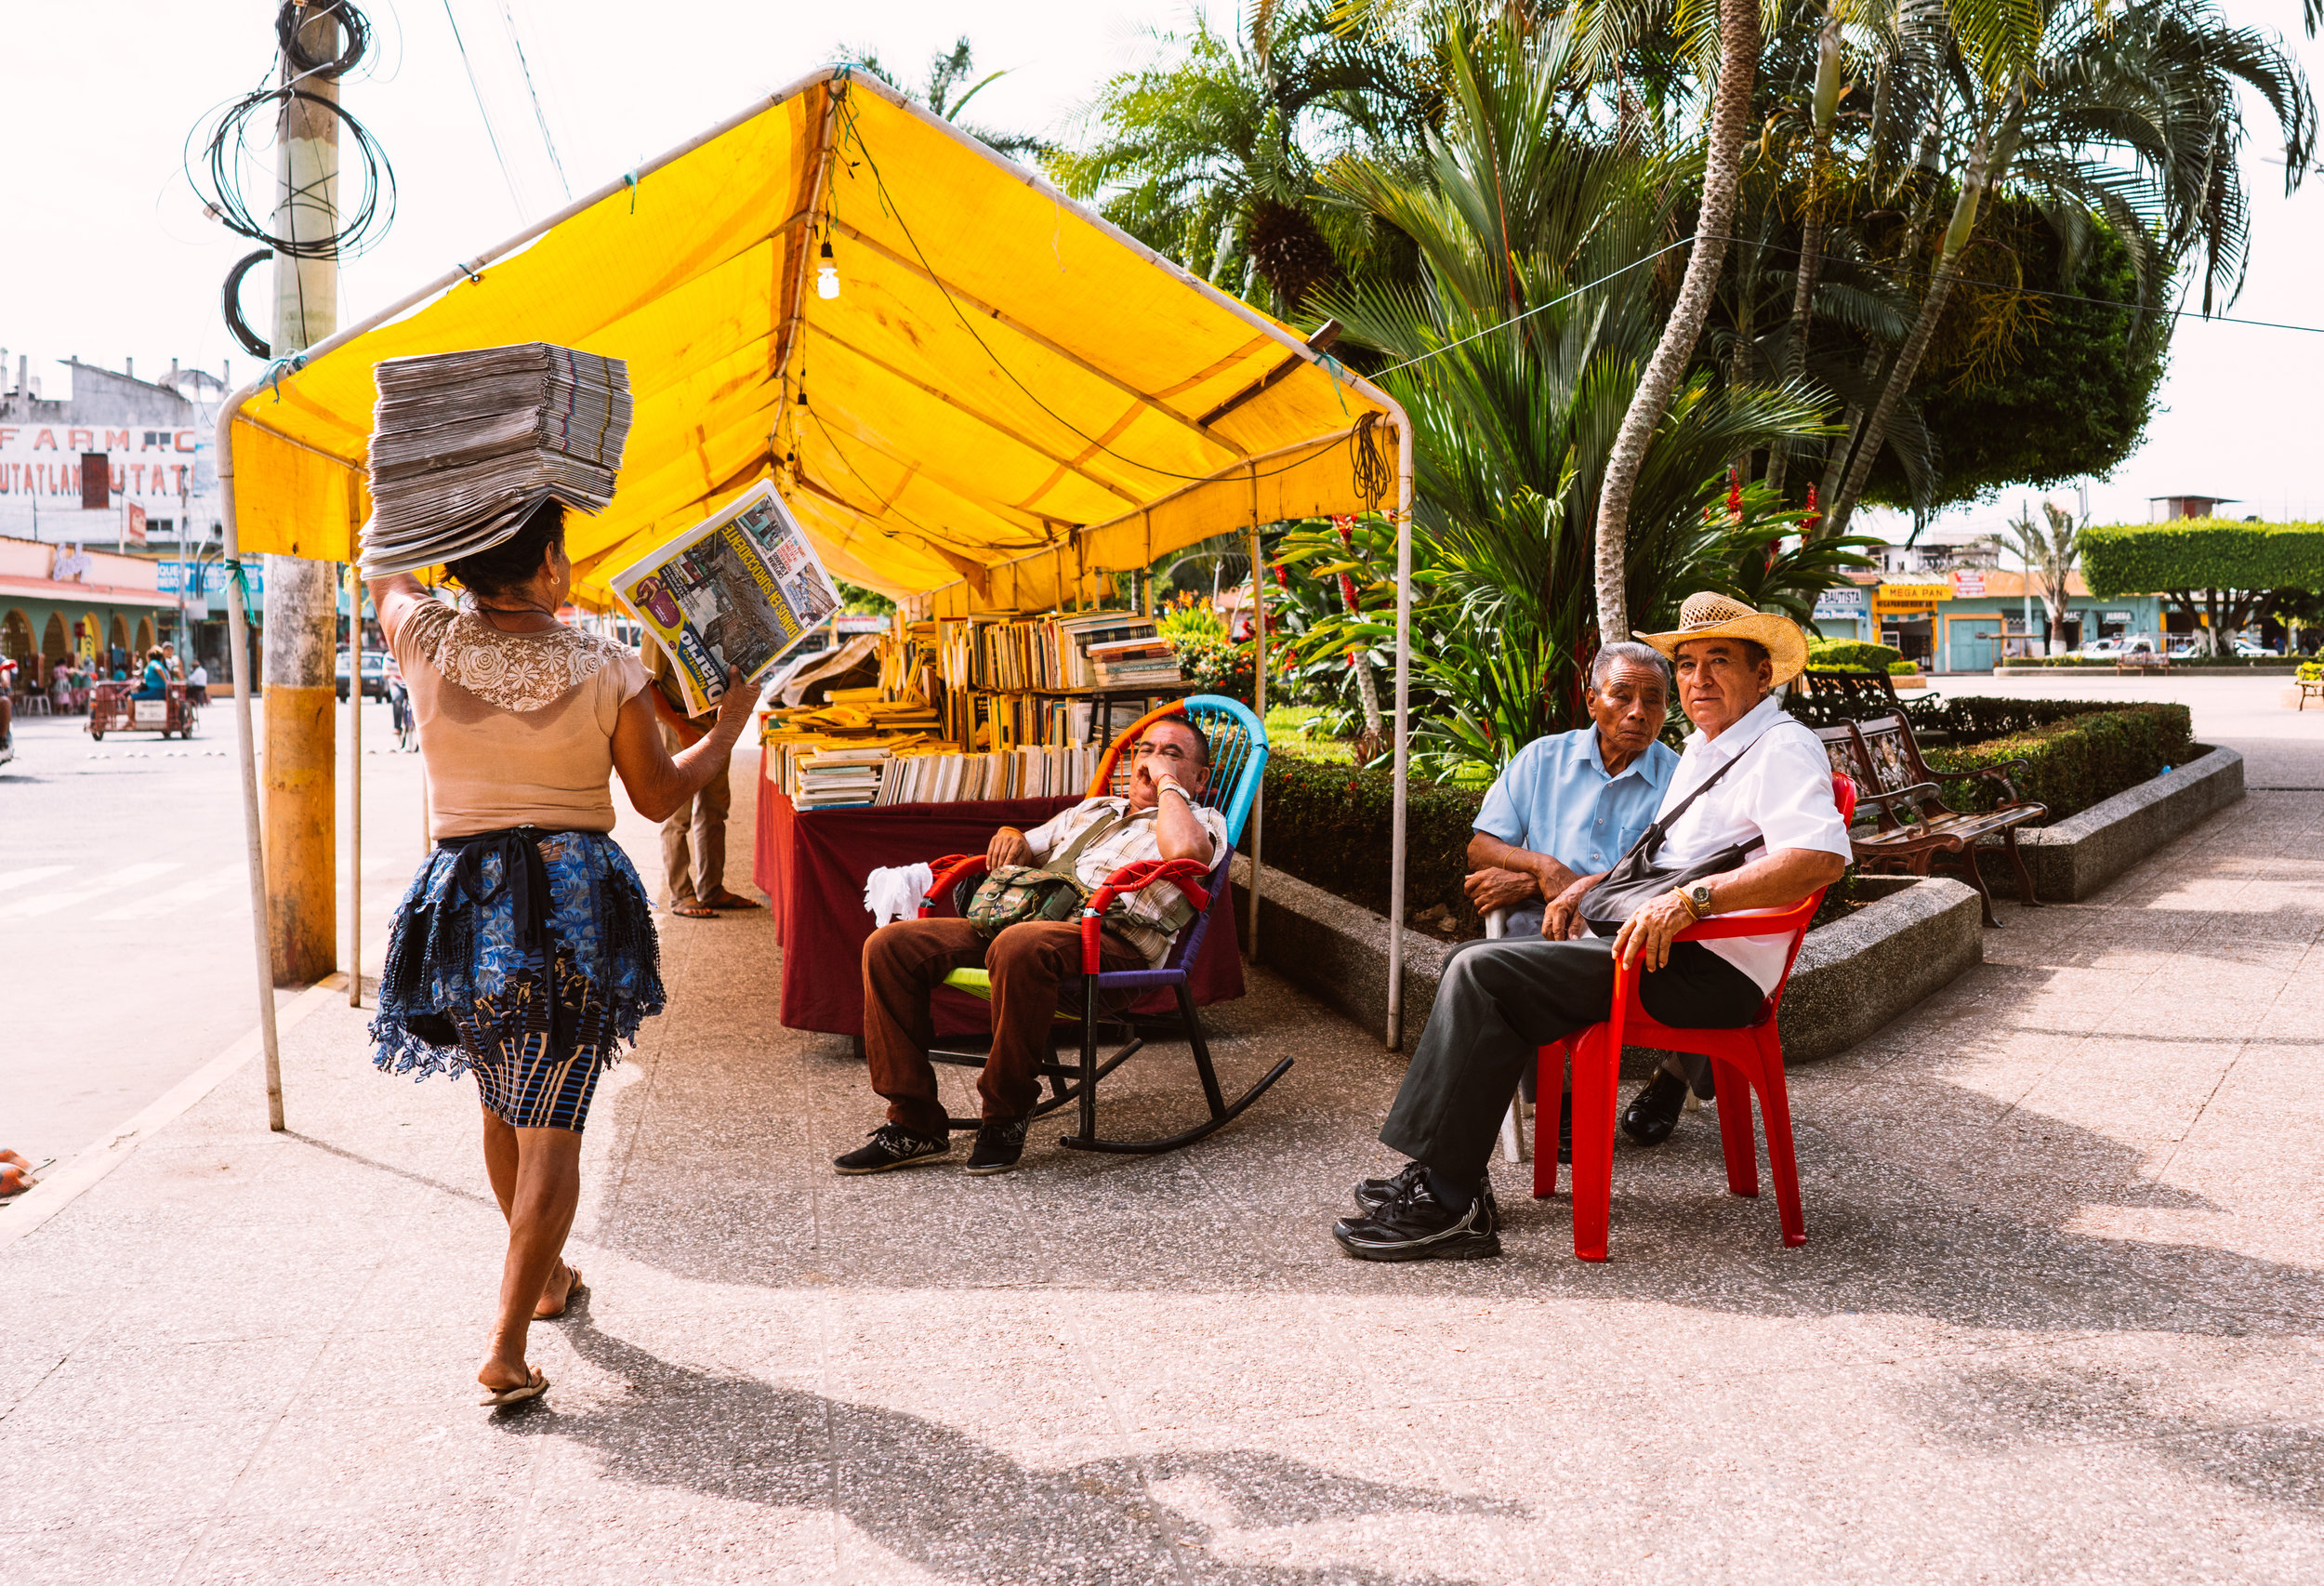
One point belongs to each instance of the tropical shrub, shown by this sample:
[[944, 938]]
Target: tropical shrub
[[1852, 653], [2074, 764], [1331, 826]]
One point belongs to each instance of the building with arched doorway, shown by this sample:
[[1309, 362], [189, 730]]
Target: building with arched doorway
[[56, 602]]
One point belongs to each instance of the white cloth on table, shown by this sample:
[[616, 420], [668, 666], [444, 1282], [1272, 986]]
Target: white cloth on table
[[894, 893]]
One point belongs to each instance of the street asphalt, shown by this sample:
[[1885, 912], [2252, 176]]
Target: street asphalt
[[125, 912], [2059, 1318]]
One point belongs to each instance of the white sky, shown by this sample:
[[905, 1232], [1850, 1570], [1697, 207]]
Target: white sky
[[108, 254]]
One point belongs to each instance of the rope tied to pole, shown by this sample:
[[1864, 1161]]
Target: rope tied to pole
[[273, 378]]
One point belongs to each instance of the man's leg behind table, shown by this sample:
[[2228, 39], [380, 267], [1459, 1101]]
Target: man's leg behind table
[[904, 963], [1028, 963], [1497, 1005]]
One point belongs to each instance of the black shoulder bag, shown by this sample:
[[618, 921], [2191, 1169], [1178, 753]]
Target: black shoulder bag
[[1635, 879]]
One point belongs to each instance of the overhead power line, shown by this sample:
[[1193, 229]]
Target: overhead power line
[[477, 89]]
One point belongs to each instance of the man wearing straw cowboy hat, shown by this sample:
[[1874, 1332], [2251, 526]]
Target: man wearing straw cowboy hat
[[1747, 822]]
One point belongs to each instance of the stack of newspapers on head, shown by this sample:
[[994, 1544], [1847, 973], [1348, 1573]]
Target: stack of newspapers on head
[[464, 445]]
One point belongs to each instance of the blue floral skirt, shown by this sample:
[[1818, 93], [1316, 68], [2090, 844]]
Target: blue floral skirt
[[529, 957]]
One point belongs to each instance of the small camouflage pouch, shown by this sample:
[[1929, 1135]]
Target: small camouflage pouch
[[1015, 893]]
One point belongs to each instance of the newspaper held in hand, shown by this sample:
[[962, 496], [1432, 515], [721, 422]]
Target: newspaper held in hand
[[738, 589]]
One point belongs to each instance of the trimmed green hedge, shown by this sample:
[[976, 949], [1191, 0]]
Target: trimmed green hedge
[[1331, 826], [2202, 553], [1852, 653], [2192, 663], [2072, 763]]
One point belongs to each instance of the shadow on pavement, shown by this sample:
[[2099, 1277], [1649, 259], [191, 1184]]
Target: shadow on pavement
[[947, 1502]]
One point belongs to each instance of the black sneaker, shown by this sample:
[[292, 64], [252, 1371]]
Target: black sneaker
[[1415, 1226], [1654, 1112], [1373, 1194], [997, 1147], [893, 1146]]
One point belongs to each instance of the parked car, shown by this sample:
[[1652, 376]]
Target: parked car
[[375, 674], [2245, 647], [2100, 647]]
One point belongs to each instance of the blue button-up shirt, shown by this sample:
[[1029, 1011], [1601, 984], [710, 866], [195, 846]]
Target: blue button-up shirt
[[1556, 799]]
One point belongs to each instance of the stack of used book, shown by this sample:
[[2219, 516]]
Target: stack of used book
[[464, 445], [1122, 662], [834, 775], [936, 776]]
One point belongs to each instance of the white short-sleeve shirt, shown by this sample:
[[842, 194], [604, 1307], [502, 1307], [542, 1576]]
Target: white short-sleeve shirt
[[1781, 797]]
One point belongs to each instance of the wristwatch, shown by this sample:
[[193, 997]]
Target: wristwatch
[[1170, 785], [1698, 899]]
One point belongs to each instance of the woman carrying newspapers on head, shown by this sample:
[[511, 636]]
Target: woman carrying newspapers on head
[[525, 950]]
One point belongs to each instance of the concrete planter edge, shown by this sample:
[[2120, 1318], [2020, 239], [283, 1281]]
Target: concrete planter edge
[[2075, 857], [1854, 975]]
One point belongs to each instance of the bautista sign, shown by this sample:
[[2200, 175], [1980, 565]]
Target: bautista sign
[[52, 460]]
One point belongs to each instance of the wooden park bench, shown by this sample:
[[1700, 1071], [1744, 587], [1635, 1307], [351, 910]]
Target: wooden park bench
[[1914, 827], [2310, 681]]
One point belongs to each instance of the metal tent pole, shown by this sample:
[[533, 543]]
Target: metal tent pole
[[1258, 702], [1404, 723], [238, 660], [354, 788]]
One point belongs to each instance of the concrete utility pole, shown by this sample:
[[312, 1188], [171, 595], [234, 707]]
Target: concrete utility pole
[[301, 603]]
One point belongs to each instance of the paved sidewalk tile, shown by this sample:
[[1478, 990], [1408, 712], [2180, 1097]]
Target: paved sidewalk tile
[[2060, 1315]]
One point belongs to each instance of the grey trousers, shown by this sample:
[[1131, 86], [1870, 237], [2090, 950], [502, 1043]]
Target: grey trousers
[[694, 838], [1501, 1001]]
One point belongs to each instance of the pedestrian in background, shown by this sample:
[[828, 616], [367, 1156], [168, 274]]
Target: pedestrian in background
[[525, 950], [198, 684], [694, 838]]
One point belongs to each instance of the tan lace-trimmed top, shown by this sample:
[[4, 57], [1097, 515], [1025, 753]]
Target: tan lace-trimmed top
[[516, 729]]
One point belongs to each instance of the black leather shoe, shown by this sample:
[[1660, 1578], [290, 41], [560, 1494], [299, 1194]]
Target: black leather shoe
[[1654, 1112], [1414, 1226], [999, 1146], [893, 1146], [1373, 1194]]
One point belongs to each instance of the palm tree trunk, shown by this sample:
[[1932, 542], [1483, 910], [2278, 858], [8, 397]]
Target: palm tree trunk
[[1825, 109], [1985, 165], [1730, 122]]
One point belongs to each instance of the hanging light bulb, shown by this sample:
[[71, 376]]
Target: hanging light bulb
[[826, 274]]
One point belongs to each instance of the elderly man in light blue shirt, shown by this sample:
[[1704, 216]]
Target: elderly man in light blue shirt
[[1570, 804]]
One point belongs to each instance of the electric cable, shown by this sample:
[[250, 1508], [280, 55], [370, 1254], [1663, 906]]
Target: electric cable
[[228, 147], [539, 116], [237, 327], [483, 114]]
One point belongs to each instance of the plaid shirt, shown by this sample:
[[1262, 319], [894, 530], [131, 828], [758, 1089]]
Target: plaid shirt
[[1154, 915]]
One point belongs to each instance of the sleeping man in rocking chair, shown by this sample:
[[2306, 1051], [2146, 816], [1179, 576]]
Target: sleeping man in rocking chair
[[904, 963]]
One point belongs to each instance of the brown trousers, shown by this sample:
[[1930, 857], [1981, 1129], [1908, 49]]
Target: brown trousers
[[693, 871], [905, 961]]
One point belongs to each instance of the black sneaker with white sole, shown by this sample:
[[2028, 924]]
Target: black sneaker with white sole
[[1373, 1194], [893, 1146], [1415, 1226], [998, 1145]]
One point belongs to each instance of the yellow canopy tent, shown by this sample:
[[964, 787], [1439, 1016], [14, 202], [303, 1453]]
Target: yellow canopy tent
[[974, 393]]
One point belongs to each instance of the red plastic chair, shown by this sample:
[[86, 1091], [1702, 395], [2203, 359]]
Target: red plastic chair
[[1742, 1061]]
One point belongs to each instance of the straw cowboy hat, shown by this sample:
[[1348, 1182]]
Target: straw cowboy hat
[[1706, 615]]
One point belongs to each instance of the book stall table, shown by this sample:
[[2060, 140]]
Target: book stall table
[[811, 864]]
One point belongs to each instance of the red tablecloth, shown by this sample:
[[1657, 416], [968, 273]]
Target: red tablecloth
[[812, 866]]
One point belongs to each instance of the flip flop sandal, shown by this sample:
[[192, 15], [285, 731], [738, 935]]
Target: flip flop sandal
[[734, 900], [518, 1395], [579, 1285], [694, 911]]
